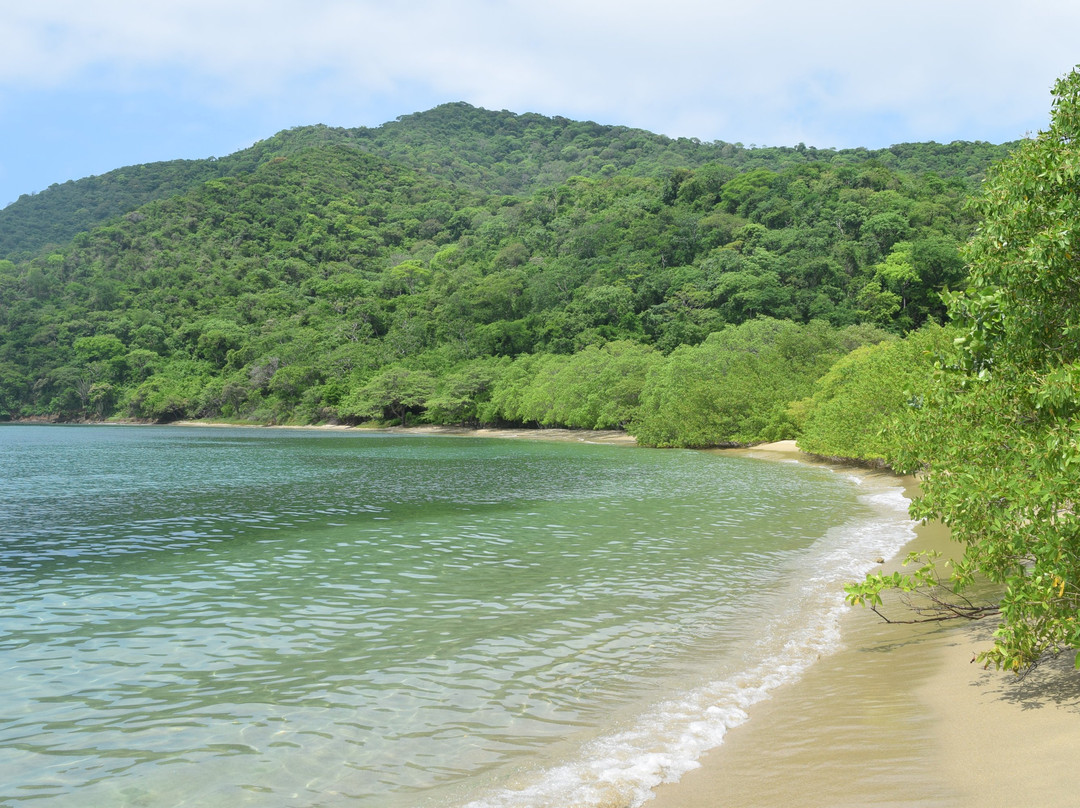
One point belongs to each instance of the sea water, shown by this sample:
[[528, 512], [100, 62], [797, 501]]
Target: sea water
[[224, 617]]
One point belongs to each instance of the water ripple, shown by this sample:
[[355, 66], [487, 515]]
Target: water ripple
[[363, 620]]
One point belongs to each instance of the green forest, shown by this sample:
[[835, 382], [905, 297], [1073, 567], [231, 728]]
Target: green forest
[[466, 266], [912, 306]]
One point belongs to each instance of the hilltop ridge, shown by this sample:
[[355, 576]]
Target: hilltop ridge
[[497, 152]]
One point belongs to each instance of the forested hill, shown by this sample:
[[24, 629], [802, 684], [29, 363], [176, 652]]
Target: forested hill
[[466, 266], [495, 152]]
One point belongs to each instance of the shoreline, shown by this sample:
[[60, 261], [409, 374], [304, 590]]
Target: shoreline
[[608, 436], [898, 715]]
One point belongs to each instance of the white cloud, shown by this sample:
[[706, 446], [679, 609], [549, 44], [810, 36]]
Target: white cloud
[[771, 72]]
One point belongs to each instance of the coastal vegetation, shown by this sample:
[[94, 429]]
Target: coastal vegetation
[[997, 439], [466, 266], [860, 405], [461, 266]]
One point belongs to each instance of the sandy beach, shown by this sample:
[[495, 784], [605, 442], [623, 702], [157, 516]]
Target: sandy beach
[[900, 716], [611, 436]]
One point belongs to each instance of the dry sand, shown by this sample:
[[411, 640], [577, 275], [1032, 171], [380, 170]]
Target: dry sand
[[900, 716]]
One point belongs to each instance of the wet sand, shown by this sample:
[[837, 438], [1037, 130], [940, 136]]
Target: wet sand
[[899, 716]]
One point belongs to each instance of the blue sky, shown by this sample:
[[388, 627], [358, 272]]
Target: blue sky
[[88, 87]]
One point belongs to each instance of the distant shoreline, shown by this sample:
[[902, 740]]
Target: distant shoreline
[[612, 436], [784, 449]]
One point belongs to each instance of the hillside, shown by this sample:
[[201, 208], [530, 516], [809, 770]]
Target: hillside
[[494, 152], [416, 270]]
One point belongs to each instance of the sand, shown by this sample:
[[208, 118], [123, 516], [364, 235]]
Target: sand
[[899, 716], [611, 436]]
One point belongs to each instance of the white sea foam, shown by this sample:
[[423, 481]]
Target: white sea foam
[[621, 769]]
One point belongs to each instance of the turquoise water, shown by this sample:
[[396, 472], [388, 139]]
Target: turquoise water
[[201, 616]]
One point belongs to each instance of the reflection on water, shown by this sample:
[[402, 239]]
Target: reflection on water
[[301, 618]]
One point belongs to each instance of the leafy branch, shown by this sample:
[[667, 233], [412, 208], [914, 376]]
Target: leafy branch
[[925, 593]]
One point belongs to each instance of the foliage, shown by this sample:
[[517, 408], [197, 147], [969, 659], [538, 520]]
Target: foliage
[[923, 591], [999, 440], [463, 394], [595, 388], [55, 215], [858, 405], [393, 393], [736, 386], [519, 269], [487, 151]]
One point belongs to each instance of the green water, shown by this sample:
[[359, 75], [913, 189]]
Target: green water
[[225, 617]]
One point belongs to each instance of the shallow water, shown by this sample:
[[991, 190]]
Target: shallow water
[[296, 618]]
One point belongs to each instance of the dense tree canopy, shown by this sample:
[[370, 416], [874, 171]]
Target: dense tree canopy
[[486, 151], [857, 407], [396, 272]]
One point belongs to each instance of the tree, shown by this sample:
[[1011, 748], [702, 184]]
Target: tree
[[462, 394], [856, 405], [393, 393], [11, 384], [999, 444], [735, 387]]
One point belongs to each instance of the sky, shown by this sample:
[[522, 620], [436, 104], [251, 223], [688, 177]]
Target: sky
[[86, 87]]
